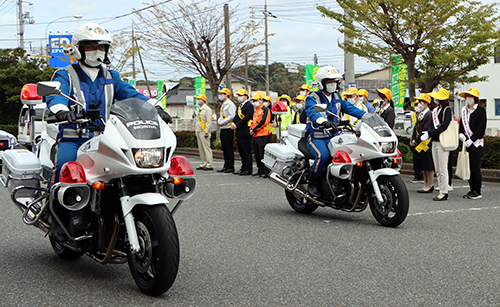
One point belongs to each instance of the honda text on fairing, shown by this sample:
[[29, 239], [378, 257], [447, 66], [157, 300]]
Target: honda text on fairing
[[364, 170], [111, 203]]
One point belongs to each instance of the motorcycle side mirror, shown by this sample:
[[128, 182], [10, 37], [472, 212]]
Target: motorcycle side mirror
[[320, 107], [171, 88], [48, 88]]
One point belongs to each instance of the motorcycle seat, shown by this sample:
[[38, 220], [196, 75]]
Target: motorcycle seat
[[303, 149]]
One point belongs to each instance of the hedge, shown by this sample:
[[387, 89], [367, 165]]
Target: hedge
[[491, 154], [10, 128]]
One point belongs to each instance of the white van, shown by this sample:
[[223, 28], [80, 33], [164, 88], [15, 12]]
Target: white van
[[23, 127]]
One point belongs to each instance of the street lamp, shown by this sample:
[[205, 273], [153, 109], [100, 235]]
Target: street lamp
[[47, 28]]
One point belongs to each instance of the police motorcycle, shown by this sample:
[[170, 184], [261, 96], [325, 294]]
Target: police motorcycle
[[111, 203], [364, 170]]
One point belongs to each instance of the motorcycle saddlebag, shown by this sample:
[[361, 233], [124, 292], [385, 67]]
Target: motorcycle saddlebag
[[20, 167], [277, 157]]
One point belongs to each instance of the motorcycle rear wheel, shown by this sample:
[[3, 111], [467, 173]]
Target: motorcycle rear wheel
[[63, 252], [300, 204], [393, 211], [154, 269]]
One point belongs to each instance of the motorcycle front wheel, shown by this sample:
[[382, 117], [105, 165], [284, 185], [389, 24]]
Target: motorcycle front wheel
[[394, 209], [155, 267], [300, 204]]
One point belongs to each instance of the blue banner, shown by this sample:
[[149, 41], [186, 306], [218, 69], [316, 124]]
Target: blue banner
[[56, 44]]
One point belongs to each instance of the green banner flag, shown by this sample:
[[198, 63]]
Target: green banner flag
[[310, 76], [398, 83], [131, 82], [159, 86], [199, 88]]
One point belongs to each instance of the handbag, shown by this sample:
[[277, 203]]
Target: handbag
[[463, 169], [449, 137]]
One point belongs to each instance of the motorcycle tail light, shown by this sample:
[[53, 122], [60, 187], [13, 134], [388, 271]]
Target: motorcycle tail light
[[99, 185], [72, 172], [176, 180], [29, 94], [341, 157], [180, 166]]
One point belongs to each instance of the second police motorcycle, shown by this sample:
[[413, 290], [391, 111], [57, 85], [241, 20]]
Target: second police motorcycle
[[364, 170], [111, 203]]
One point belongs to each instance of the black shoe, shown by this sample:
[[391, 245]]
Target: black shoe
[[229, 170], [445, 197], [312, 188], [200, 168], [238, 172], [208, 168], [266, 175], [245, 173], [468, 194], [222, 170], [475, 195], [426, 191]]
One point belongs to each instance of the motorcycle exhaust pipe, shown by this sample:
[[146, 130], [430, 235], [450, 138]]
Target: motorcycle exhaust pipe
[[274, 177]]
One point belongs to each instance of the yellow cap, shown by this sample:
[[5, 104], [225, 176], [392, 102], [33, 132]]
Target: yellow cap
[[363, 92], [202, 97], [441, 94], [352, 90], [299, 97], [305, 87], [268, 98], [242, 92], [225, 91], [343, 95], [374, 102], [423, 97], [386, 92], [473, 91], [256, 97], [285, 97]]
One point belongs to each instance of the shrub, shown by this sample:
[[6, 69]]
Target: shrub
[[10, 128]]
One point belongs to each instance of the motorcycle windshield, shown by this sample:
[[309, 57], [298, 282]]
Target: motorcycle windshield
[[139, 116], [377, 123]]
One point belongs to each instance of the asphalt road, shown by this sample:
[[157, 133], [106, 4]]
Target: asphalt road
[[242, 245]]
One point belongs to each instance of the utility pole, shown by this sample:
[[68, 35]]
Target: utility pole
[[21, 24], [267, 48], [133, 54], [315, 59], [228, 47], [348, 62], [246, 72]]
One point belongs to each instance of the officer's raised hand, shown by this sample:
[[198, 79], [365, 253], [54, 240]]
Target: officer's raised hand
[[66, 115], [164, 115]]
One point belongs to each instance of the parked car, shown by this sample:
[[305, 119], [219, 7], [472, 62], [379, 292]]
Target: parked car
[[24, 123]]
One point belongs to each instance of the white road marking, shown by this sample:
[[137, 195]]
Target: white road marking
[[453, 211]]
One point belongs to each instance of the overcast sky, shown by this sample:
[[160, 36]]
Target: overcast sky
[[299, 30]]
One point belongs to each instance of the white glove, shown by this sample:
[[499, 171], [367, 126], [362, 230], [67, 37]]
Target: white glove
[[461, 136], [468, 143], [424, 136]]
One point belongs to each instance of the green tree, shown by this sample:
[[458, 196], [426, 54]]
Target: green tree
[[15, 71], [441, 41]]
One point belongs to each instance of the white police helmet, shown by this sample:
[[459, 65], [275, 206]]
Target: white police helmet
[[327, 73], [89, 32]]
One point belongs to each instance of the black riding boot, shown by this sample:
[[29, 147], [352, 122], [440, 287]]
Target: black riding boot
[[313, 189]]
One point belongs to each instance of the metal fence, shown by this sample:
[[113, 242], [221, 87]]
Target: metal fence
[[181, 124]]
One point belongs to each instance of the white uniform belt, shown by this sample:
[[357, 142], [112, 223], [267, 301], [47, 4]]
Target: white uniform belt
[[74, 134]]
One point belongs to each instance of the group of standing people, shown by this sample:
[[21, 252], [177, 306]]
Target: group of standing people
[[431, 118]]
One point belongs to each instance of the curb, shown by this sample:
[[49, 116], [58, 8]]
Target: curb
[[489, 175]]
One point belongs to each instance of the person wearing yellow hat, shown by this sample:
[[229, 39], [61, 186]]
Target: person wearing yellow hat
[[363, 96], [351, 96], [472, 128], [386, 106], [441, 118], [261, 118], [305, 90], [300, 116], [241, 125], [227, 112], [422, 155], [287, 118], [202, 129]]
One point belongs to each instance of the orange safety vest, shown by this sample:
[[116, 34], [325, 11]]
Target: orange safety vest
[[257, 118]]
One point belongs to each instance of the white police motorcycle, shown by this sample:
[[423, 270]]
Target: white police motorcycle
[[111, 203], [364, 170]]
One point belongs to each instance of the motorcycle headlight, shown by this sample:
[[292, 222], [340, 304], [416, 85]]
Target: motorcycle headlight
[[387, 147], [149, 157]]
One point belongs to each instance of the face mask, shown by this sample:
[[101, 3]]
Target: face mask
[[419, 108], [351, 100], [331, 87], [199, 101], [256, 103], [299, 106], [94, 58], [266, 104], [436, 101], [221, 97], [241, 98], [303, 93], [469, 101]]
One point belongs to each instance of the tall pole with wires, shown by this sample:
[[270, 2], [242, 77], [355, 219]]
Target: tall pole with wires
[[228, 46], [267, 48]]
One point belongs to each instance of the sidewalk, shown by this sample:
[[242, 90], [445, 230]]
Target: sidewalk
[[489, 175]]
